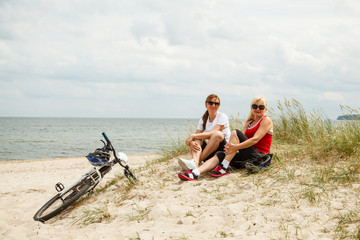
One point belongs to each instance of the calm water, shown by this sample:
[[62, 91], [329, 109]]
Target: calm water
[[40, 138]]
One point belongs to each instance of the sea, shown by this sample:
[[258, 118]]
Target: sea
[[28, 138]]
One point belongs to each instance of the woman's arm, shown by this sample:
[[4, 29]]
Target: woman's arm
[[191, 137], [199, 135], [265, 126], [207, 135]]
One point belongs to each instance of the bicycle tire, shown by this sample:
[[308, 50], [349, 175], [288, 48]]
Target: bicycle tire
[[51, 209]]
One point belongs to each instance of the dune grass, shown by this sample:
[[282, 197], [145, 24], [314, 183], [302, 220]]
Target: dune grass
[[95, 215], [328, 153], [314, 132]]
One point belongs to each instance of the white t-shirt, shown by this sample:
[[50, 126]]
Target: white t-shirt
[[220, 119]]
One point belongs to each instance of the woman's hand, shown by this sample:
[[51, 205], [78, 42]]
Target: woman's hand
[[195, 146], [230, 148], [189, 140]]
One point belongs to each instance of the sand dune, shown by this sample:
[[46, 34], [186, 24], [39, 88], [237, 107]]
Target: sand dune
[[160, 206]]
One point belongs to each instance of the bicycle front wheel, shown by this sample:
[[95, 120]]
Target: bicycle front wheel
[[60, 202]]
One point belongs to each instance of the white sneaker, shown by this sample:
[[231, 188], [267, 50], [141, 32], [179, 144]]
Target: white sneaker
[[187, 164]]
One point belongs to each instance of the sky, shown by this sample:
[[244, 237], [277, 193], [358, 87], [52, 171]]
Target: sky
[[161, 59]]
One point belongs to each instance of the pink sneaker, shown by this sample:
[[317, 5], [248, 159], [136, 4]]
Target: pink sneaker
[[188, 176], [219, 171]]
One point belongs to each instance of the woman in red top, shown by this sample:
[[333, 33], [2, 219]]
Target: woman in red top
[[255, 140]]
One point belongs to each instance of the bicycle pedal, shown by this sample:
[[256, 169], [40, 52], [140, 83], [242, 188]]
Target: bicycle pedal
[[59, 187]]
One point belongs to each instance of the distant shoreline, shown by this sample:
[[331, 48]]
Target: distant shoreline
[[349, 117]]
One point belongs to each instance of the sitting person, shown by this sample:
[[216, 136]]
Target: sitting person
[[212, 134], [255, 140]]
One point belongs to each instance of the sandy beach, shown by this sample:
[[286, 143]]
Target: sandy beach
[[269, 205]]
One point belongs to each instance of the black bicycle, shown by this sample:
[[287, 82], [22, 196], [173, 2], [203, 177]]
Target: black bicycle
[[100, 159]]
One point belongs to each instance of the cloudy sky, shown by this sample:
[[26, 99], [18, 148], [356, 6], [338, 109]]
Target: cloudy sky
[[157, 58]]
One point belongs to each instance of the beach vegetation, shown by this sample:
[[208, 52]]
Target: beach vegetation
[[190, 214], [236, 122], [176, 148], [223, 234], [182, 237], [311, 195], [179, 188], [96, 215], [320, 154], [220, 196], [136, 238], [319, 137], [125, 189], [161, 182], [139, 214], [345, 219], [287, 171]]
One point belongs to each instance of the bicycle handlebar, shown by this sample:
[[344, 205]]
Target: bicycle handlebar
[[112, 148], [109, 145], [127, 171], [106, 137]]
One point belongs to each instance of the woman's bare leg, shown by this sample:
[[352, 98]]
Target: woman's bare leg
[[213, 143], [196, 154], [209, 165]]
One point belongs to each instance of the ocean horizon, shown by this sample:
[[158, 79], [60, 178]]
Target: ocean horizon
[[29, 138]]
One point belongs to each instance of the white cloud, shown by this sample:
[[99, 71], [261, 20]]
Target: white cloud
[[137, 52], [336, 97]]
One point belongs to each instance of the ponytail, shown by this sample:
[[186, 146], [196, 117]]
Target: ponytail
[[204, 118]]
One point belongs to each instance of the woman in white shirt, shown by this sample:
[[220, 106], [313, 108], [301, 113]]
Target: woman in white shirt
[[212, 134]]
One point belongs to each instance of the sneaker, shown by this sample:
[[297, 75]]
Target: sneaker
[[219, 171], [188, 176], [186, 164]]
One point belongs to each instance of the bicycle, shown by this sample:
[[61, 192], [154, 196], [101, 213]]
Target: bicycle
[[65, 197]]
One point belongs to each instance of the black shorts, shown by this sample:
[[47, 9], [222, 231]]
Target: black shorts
[[220, 148], [242, 155]]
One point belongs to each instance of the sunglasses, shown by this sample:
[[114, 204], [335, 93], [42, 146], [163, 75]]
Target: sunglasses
[[212, 103], [261, 107]]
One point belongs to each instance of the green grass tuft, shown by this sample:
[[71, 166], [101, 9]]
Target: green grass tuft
[[95, 215]]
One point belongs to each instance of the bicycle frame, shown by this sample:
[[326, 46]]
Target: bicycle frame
[[82, 178]]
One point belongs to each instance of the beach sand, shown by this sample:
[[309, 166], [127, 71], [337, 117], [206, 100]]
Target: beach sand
[[268, 205]]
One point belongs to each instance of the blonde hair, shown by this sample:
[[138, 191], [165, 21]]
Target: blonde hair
[[254, 100]]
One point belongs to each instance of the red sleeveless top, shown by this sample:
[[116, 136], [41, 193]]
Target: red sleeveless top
[[264, 144]]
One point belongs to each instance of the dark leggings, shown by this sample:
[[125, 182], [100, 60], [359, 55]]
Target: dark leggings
[[242, 155]]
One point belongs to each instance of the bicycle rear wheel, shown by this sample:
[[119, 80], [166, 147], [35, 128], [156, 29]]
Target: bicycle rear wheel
[[59, 203]]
